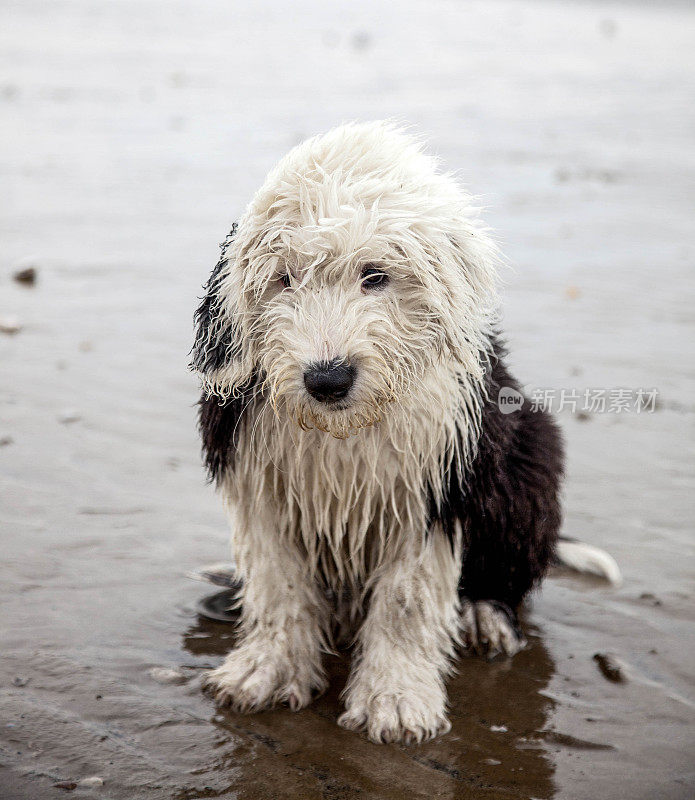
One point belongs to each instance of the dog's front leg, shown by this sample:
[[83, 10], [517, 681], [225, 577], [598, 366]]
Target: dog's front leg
[[283, 614], [396, 689]]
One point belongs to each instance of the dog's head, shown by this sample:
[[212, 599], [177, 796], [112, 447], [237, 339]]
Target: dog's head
[[356, 270]]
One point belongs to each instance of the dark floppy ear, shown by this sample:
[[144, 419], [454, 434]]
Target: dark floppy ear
[[218, 357], [220, 423], [218, 339]]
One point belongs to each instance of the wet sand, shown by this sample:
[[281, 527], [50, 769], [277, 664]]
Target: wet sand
[[132, 135]]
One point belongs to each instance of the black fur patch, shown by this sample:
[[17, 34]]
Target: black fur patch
[[219, 421], [220, 424], [507, 502], [208, 355]]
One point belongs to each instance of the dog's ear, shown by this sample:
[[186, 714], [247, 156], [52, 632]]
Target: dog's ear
[[476, 255], [471, 283], [218, 354]]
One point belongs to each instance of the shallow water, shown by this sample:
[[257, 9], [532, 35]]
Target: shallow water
[[132, 135]]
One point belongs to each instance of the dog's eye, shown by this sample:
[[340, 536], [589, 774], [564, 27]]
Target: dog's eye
[[285, 280], [374, 277]]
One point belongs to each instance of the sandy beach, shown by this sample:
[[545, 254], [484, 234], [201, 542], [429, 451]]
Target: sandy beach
[[132, 136]]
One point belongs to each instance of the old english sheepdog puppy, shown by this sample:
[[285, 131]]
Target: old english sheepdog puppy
[[351, 370]]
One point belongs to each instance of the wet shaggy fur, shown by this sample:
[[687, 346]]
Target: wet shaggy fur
[[417, 505], [507, 502]]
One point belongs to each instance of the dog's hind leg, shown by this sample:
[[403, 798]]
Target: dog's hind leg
[[510, 515], [405, 645], [283, 618]]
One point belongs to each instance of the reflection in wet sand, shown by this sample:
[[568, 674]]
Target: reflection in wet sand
[[496, 747]]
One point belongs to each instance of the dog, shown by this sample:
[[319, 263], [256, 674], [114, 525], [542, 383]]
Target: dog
[[350, 357]]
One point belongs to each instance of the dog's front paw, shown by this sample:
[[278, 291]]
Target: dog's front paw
[[408, 715], [490, 628], [254, 677]]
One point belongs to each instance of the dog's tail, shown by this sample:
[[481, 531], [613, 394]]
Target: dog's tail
[[586, 558]]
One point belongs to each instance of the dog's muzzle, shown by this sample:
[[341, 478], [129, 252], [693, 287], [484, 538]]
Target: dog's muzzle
[[329, 381]]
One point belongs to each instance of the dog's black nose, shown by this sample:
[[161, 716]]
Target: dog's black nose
[[328, 381]]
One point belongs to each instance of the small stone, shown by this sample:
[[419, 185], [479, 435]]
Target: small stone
[[20, 681], [10, 325], [92, 782], [493, 762], [26, 276], [499, 728], [165, 675], [651, 598], [610, 667], [68, 786], [5, 440], [68, 417]]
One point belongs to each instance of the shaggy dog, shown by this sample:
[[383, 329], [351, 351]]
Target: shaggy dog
[[351, 369]]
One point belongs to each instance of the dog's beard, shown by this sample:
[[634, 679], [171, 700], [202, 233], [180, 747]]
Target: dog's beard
[[340, 419], [364, 407]]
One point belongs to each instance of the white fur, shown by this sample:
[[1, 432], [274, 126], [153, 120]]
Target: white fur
[[337, 497], [586, 558]]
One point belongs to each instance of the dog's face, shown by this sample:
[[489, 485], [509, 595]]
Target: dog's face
[[351, 275], [344, 327]]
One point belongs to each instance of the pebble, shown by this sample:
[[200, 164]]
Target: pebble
[[651, 598], [5, 440], [499, 728], [67, 785], [26, 276], [68, 417], [10, 325], [20, 681], [165, 675], [610, 667]]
